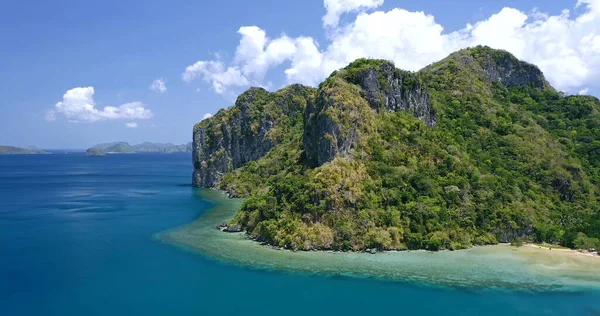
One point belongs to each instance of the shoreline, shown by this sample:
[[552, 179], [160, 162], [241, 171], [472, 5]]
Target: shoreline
[[222, 227], [498, 267], [566, 251]]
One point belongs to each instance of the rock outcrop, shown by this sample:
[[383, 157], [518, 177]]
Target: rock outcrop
[[338, 119], [245, 132], [347, 100], [511, 72], [390, 89], [501, 66]]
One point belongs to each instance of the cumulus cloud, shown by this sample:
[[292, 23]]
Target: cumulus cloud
[[583, 91], [78, 105], [158, 85], [215, 73], [335, 8], [207, 115], [254, 55], [565, 46], [131, 125]]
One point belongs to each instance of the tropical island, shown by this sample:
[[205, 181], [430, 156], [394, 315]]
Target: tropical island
[[95, 152], [11, 150], [475, 149], [146, 147]]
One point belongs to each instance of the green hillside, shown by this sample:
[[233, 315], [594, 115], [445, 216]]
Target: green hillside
[[474, 149]]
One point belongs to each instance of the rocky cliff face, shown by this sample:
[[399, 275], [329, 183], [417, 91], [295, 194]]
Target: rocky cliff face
[[390, 89], [335, 122], [500, 66], [511, 72], [245, 132], [338, 119]]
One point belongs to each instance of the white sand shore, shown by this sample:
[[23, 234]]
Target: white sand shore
[[564, 251]]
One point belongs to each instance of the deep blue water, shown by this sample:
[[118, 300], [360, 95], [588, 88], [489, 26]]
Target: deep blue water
[[76, 238]]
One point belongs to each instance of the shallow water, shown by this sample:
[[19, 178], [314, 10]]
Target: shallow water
[[502, 266], [78, 237]]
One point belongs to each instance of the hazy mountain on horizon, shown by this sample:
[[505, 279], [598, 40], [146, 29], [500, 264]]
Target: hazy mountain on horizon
[[12, 150], [145, 147]]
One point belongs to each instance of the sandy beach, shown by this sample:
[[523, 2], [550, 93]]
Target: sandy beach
[[562, 250], [500, 266]]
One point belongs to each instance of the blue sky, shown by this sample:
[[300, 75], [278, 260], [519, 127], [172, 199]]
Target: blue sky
[[63, 62]]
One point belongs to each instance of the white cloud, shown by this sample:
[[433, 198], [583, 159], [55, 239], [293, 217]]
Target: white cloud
[[215, 73], [254, 55], [131, 125], [335, 8], [158, 85], [565, 46], [584, 91], [78, 105], [207, 115]]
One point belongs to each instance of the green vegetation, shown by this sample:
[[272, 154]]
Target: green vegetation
[[10, 150], [517, 242], [95, 152], [587, 243], [508, 159]]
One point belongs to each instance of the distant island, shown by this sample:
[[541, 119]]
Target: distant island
[[95, 152], [146, 147], [475, 149], [11, 150]]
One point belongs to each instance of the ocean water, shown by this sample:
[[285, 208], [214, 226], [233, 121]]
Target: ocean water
[[86, 236]]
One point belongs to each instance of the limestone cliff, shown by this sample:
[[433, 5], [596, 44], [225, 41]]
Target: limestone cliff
[[338, 118], [244, 132], [501, 66], [474, 149], [335, 122]]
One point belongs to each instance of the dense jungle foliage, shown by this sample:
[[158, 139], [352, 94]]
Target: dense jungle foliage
[[504, 161]]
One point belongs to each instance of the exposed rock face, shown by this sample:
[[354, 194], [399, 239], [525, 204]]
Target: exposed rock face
[[324, 137], [210, 162], [242, 133], [508, 234], [501, 66], [388, 88], [233, 229], [333, 126], [337, 120], [228, 144], [511, 72]]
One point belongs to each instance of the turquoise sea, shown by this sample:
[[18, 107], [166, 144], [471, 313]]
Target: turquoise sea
[[78, 236]]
